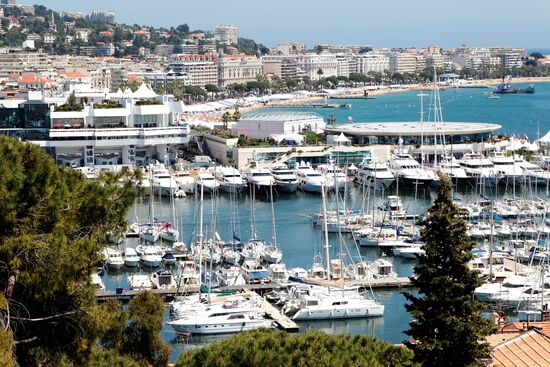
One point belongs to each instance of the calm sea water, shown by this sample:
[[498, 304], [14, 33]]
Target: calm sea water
[[300, 241], [517, 114]]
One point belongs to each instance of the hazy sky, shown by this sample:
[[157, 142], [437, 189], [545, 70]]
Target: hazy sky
[[381, 23]]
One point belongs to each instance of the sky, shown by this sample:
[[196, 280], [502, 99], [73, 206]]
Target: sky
[[380, 23]]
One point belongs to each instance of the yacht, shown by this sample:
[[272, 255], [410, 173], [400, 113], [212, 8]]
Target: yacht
[[260, 180], [335, 177], [130, 257], [113, 258], [285, 179], [230, 179], [271, 254], [97, 282], [163, 279], [480, 169], [254, 273], [149, 256], [310, 180], [534, 174], [409, 171], [394, 207], [278, 273], [162, 181], [150, 233], [231, 276], [185, 181], [334, 305], [221, 320], [139, 282], [449, 166], [208, 181], [506, 166], [370, 172]]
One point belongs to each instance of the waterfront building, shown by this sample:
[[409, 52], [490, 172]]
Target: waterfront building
[[277, 125], [310, 64], [198, 73], [371, 61], [402, 62], [189, 49], [112, 129], [164, 50], [436, 60], [237, 69], [342, 65], [226, 33]]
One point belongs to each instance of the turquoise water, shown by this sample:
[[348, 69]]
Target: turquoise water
[[517, 114]]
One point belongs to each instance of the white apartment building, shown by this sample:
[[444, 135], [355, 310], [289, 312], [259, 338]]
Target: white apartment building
[[435, 60], [290, 48], [198, 73], [237, 70], [343, 65], [402, 62], [310, 64], [226, 33], [370, 61]]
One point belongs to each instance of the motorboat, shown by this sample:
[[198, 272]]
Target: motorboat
[[97, 282], [335, 177], [207, 181], [150, 233], [254, 273], [162, 181], [480, 169], [285, 179], [139, 282], [450, 167], [507, 167], [374, 173], [278, 273], [260, 179], [231, 276], [309, 179], [185, 181], [163, 279], [534, 174], [407, 170], [271, 254], [231, 319], [130, 257], [230, 179], [168, 258], [409, 252], [381, 268], [149, 256], [113, 258], [393, 206]]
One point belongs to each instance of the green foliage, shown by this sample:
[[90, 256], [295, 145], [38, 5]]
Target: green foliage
[[148, 102], [141, 335], [70, 106], [211, 88], [331, 119], [109, 358], [447, 325], [313, 138], [312, 348], [236, 115], [107, 104], [53, 223]]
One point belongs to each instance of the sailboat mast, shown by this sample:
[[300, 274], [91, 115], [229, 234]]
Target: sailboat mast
[[273, 230], [325, 229]]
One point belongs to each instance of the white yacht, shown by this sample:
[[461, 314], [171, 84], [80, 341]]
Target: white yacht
[[139, 282], [534, 174], [131, 259], [97, 282], [285, 179], [271, 254], [149, 256], [407, 170], [260, 180], [231, 276], [163, 279], [310, 180], [221, 320], [394, 207], [185, 181], [113, 258], [162, 181], [278, 273], [254, 273], [370, 172], [335, 305], [449, 166], [230, 179], [335, 177], [506, 166], [480, 169], [150, 233], [208, 181]]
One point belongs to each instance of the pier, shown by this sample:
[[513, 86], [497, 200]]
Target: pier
[[351, 97], [283, 322], [312, 105], [380, 283]]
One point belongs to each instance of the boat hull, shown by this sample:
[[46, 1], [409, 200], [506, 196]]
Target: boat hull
[[224, 327]]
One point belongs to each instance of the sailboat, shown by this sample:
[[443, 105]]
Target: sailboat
[[271, 254]]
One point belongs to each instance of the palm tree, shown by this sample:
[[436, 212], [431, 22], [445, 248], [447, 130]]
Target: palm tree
[[236, 115], [226, 118]]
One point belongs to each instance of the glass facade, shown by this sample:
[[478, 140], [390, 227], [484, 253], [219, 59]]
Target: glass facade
[[36, 115], [415, 140]]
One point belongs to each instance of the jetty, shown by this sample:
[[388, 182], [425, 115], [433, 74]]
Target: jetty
[[351, 97], [380, 283], [283, 322]]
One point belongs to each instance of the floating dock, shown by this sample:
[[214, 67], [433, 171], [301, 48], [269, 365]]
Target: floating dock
[[283, 322]]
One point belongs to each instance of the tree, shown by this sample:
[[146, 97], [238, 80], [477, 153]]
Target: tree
[[227, 116], [236, 114], [447, 326], [53, 224], [141, 335], [211, 88], [320, 72], [537, 55], [312, 348]]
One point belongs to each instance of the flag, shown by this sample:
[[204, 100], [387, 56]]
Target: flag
[[525, 136]]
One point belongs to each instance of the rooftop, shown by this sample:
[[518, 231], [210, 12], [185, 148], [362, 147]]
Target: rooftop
[[411, 128], [280, 116]]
